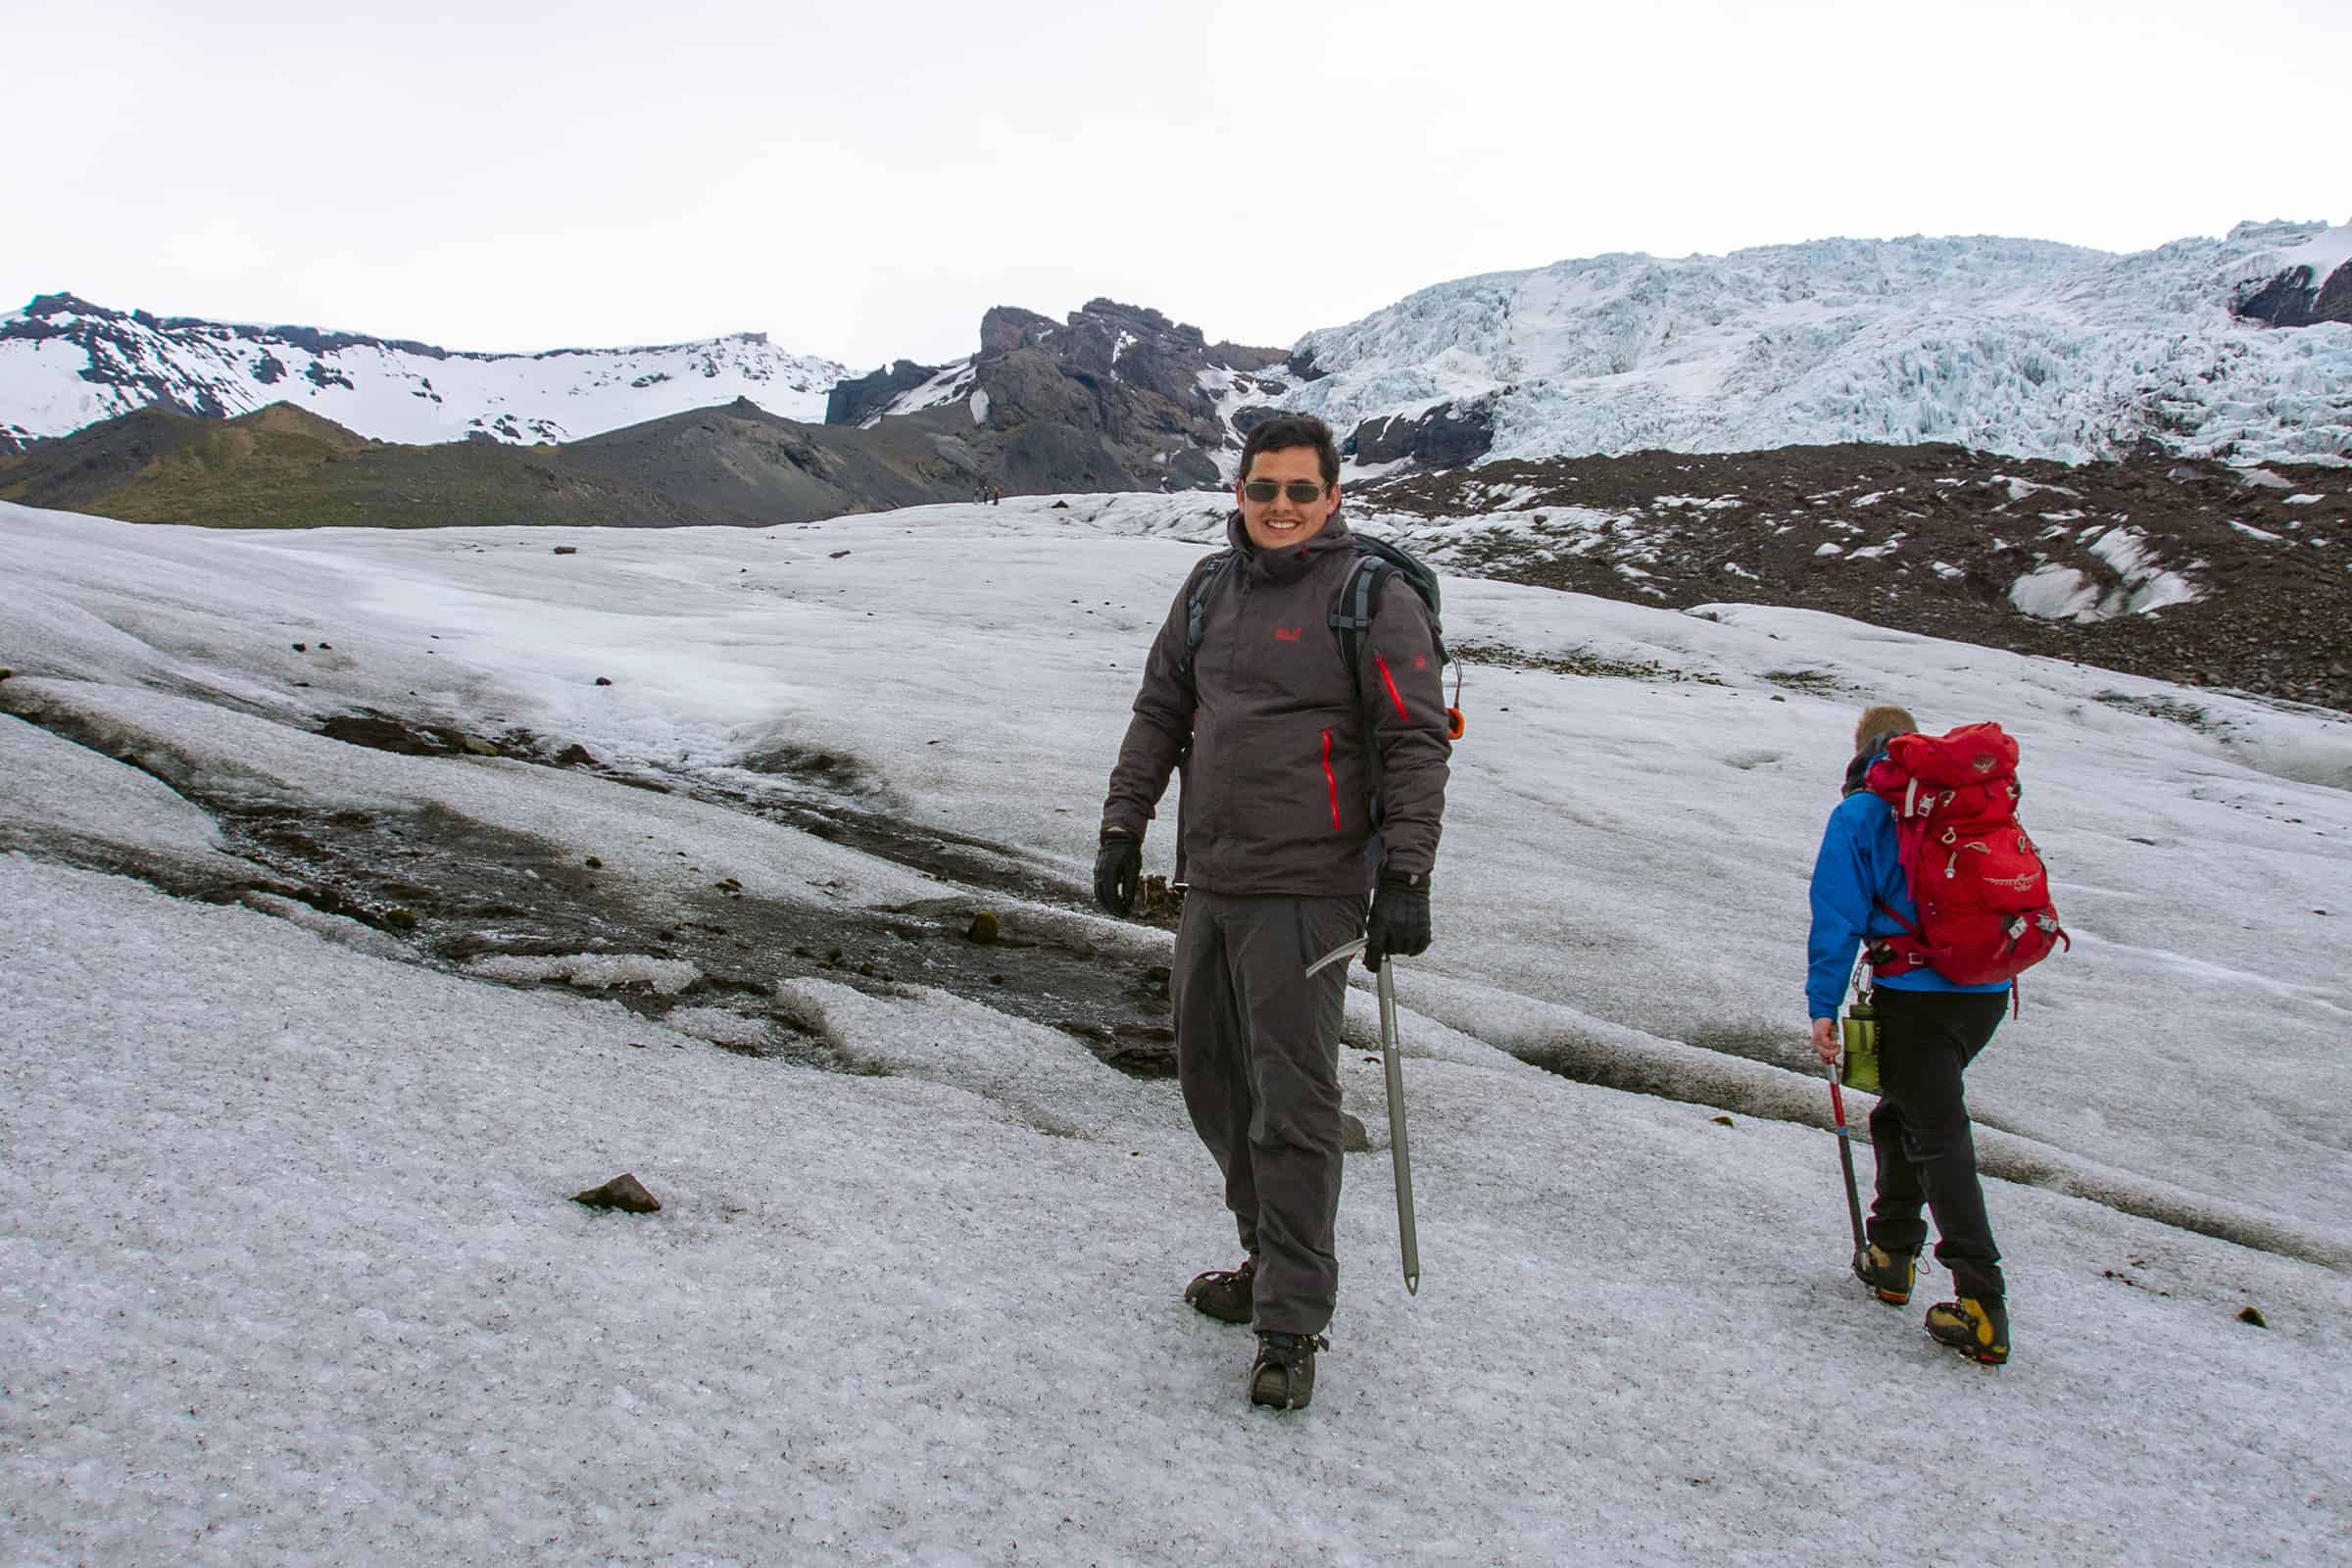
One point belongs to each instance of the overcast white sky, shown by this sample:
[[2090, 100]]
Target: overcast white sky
[[862, 181]]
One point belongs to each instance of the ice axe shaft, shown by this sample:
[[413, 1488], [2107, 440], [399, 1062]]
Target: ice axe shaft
[[1399, 1150], [1845, 1159]]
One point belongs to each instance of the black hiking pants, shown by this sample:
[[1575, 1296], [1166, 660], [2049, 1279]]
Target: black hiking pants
[[1257, 1056], [1920, 1132]]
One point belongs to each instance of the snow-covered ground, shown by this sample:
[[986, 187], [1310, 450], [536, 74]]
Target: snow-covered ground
[[71, 366], [288, 1273], [2005, 345]]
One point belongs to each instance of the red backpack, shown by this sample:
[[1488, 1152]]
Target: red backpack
[[1982, 892]]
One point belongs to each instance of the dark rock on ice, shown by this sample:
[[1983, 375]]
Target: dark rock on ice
[[624, 1192]]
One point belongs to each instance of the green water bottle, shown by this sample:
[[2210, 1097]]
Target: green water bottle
[[1861, 1070]]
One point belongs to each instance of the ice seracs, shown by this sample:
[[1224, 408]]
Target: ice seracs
[[2005, 345]]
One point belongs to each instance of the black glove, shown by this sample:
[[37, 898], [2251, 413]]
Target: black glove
[[1117, 866], [1399, 922]]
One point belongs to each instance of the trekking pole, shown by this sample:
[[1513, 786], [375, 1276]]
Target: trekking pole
[[1400, 1152], [1845, 1159]]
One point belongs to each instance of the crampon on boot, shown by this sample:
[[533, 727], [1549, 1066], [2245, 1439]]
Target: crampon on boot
[[1889, 1276], [1283, 1373], [1977, 1330], [1225, 1294]]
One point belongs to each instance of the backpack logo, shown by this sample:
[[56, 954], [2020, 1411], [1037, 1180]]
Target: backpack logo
[[1288, 634]]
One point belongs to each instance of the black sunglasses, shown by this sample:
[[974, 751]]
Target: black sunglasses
[[1303, 492]]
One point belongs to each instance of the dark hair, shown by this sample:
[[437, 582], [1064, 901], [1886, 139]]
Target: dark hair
[[1287, 430]]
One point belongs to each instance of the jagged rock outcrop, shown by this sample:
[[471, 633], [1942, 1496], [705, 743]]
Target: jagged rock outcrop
[[2296, 298], [1006, 327], [1447, 436], [862, 397], [1112, 397]]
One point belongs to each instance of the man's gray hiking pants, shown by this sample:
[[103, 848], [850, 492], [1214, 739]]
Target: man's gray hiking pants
[[1258, 1054]]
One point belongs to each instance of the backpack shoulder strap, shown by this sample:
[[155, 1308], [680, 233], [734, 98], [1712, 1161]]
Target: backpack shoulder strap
[[1196, 603], [1351, 612]]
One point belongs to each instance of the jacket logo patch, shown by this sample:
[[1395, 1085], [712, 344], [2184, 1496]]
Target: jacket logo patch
[[1288, 634], [1420, 660]]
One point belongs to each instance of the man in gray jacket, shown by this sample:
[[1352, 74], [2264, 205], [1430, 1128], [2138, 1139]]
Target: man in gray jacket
[[1286, 754]]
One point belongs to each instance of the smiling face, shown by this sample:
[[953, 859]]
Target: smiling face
[[1282, 521]]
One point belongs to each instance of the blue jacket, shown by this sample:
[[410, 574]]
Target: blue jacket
[[1855, 871]]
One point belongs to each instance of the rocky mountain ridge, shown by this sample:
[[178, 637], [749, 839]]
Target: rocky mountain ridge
[[2238, 349], [1112, 397], [285, 467]]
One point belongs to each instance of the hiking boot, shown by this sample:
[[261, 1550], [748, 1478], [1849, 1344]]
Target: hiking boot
[[1977, 1330], [1283, 1373], [1889, 1277], [1226, 1296]]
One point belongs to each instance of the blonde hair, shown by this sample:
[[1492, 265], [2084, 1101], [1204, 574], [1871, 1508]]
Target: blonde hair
[[1882, 722]]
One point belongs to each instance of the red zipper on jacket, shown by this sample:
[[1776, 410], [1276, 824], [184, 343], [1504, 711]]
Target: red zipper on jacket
[[1331, 781], [1393, 696]]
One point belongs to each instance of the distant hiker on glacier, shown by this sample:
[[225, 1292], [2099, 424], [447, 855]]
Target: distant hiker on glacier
[[1283, 747], [1930, 1028]]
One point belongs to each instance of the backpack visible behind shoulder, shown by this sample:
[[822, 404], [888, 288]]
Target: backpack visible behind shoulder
[[1980, 885], [1353, 609], [1377, 561]]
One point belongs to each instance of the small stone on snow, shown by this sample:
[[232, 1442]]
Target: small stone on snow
[[624, 1192]]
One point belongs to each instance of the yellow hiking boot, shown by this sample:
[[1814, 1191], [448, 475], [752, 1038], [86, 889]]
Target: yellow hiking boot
[[1889, 1277], [1977, 1330]]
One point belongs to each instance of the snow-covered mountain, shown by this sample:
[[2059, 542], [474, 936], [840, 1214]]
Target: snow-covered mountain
[[66, 362], [2012, 346], [2238, 348]]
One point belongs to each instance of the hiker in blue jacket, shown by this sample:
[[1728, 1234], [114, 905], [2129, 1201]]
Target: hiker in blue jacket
[[1930, 1030]]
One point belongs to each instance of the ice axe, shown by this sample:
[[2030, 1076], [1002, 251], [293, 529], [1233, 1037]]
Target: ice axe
[[1399, 1149], [1400, 1152], [1854, 1035], [1845, 1159]]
